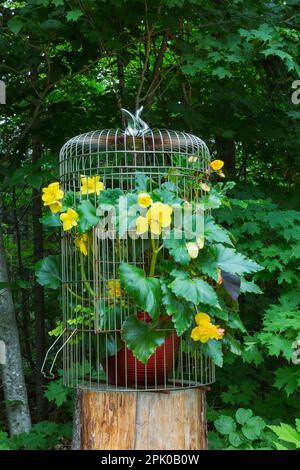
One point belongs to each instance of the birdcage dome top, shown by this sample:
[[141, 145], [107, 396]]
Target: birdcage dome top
[[137, 137], [135, 147], [153, 140]]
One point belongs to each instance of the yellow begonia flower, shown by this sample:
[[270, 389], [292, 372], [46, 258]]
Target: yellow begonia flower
[[142, 225], [52, 196], [91, 184], [155, 227], [114, 288], [193, 249], [82, 243], [144, 200], [216, 165], [159, 216], [205, 330], [69, 219], [55, 207]]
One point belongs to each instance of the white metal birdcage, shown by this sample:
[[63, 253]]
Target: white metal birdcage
[[94, 305]]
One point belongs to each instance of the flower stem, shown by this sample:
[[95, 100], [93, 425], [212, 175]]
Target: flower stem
[[74, 293], [153, 263], [155, 250]]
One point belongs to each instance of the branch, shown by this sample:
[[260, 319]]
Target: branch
[[39, 103], [156, 69], [146, 61]]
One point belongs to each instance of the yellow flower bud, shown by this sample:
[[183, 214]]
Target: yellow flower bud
[[200, 242], [193, 249], [192, 159], [205, 187]]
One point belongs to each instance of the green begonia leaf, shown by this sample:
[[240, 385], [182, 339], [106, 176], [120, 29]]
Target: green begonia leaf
[[214, 232], [182, 312], [146, 291], [87, 216], [51, 220], [177, 249], [48, 272], [253, 427], [213, 349], [195, 290], [141, 338], [233, 262], [225, 424], [242, 415]]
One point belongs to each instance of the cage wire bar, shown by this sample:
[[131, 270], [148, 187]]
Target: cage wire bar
[[89, 293]]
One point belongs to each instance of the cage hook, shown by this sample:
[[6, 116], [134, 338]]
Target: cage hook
[[50, 375], [135, 125]]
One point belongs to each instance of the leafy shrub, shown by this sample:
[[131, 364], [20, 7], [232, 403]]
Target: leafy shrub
[[289, 437], [4, 441], [243, 430], [265, 377], [57, 392], [46, 434], [43, 435]]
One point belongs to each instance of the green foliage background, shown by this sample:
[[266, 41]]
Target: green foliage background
[[221, 70]]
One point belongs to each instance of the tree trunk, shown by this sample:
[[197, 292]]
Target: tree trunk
[[140, 420], [23, 293], [76, 437], [38, 291], [15, 392], [226, 152]]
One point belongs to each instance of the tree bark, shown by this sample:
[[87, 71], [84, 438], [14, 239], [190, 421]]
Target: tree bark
[[15, 392], [24, 295], [38, 291], [141, 420], [76, 437]]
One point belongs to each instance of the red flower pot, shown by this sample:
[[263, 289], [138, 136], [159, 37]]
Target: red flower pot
[[124, 369]]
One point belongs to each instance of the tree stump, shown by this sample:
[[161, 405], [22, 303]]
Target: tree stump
[[140, 420]]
